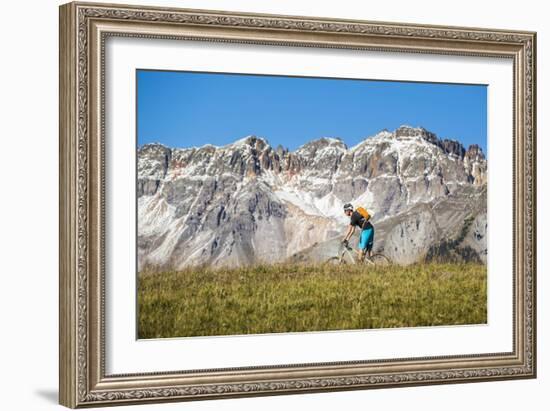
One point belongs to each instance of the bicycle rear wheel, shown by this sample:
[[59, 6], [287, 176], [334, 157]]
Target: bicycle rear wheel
[[380, 260]]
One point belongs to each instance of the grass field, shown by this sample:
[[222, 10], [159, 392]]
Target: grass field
[[294, 298]]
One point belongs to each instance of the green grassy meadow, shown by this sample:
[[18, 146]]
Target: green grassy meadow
[[296, 298]]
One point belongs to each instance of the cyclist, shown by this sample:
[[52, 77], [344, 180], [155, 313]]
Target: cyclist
[[366, 238]]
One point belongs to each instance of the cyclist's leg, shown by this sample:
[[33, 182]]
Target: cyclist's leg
[[360, 254], [363, 243], [369, 241], [369, 251]]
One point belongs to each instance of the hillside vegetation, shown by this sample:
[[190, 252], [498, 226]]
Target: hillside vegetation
[[296, 298]]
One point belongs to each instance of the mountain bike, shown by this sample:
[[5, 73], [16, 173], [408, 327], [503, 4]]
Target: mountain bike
[[349, 256]]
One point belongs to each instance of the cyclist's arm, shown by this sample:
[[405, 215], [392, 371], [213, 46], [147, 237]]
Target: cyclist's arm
[[349, 233]]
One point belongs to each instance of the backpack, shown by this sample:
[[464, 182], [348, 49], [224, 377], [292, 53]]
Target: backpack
[[364, 213]]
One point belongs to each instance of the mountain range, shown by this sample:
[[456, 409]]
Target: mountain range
[[249, 202]]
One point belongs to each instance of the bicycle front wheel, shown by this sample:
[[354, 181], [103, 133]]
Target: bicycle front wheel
[[380, 260]]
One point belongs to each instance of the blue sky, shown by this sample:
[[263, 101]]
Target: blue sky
[[183, 109]]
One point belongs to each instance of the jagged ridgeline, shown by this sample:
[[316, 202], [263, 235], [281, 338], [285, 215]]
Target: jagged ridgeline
[[248, 202]]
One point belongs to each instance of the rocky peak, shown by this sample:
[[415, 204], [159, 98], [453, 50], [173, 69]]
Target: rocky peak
[[475, 163], [405, 132], [449, 146], [314, 146], [322, 155], [154, 159], [386, 153], [252, 141], [475, 153], [281, 151], [153, 149], [153, 164], [452, 147]]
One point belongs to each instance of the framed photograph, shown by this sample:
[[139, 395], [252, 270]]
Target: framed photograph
[[262, 204]]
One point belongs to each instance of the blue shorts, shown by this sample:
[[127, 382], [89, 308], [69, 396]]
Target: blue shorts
[[366, 239]]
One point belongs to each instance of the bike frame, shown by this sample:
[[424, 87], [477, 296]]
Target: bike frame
[[352, 254]]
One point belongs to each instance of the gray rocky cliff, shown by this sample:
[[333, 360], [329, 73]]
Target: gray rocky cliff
[[248, 202]]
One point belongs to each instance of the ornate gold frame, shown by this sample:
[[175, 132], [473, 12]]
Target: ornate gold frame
[[83, 30]]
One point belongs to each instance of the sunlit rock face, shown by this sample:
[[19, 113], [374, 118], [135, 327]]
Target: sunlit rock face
[[248, 202]]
